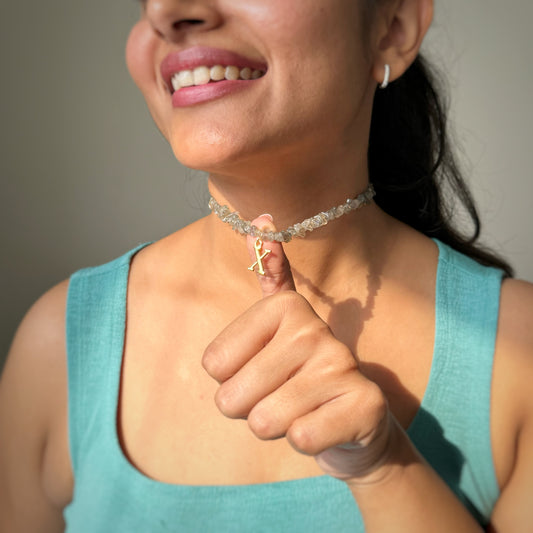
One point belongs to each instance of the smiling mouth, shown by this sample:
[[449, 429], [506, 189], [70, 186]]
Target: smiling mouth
[[203, 75]]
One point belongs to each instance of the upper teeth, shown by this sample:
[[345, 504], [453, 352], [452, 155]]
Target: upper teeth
[[203, 75]]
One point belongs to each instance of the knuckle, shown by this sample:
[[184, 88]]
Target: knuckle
[[213, 360], [226, 399], [375, 401], [302, 438], [347, 366], [334, 360], [326, 369], [262, 423], [318, 333], [313, 336]]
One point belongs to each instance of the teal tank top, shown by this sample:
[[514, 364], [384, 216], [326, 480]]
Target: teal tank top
[[451, 428]]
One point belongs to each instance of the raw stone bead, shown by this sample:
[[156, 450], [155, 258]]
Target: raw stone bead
[[245, 227], [299, 230], [332, 213], [316, 221]]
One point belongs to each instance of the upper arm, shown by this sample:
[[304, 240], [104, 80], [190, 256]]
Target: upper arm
[[35, 474], [512, 409]]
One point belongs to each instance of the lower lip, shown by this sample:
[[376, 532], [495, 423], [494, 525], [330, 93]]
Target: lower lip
[[198, 94]]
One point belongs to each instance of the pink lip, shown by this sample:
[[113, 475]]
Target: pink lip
[[198, 94], [199, 56]]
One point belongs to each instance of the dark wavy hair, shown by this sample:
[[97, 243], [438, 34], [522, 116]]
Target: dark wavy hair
[[414, 170]]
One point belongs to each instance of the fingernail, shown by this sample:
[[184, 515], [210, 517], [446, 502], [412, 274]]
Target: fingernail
[[268, 215]]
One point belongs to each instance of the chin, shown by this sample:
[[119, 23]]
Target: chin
[[198, 159], [209, 150]]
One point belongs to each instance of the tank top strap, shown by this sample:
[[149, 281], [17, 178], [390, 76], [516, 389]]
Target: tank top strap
[[95, 321], [452, 428]]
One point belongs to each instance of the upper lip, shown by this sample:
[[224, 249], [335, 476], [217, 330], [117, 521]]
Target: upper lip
[[198, 56]]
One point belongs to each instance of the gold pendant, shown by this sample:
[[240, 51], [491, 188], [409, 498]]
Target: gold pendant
[[258, 245]]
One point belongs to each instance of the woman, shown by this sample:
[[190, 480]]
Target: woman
[[363, 350]]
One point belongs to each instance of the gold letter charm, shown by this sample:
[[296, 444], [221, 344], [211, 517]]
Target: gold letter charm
[[259, 263]]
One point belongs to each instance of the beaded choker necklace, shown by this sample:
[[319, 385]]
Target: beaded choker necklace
[[245, 227]]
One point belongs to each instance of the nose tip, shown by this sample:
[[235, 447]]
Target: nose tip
[[172, 18]]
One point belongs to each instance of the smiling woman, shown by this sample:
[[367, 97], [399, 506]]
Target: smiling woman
[[174, 390]]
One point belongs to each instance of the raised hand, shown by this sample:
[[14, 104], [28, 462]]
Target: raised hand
[[280, 367]]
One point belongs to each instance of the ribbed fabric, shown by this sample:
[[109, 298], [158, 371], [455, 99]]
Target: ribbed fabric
[[451, 429]]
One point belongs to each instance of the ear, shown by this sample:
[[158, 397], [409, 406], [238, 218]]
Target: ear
[[400, 30]]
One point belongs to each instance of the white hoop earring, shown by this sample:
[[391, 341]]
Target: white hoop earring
[[386, 78]]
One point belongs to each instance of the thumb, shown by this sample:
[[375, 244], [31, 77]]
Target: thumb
[[269, 257]]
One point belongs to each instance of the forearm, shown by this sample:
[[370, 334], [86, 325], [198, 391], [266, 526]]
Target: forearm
[[406, 495]]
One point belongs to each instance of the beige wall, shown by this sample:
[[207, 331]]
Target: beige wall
[[85, 176], [486, 49]]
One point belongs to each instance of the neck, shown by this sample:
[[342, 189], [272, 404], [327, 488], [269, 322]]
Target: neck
[[348, 247], [289, 189]]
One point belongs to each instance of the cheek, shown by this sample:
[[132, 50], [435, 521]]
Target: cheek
[[140, 55], [316, 49], [336, 65], [141, 61]]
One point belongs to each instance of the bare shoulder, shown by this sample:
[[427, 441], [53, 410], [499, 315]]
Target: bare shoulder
[[516, 311], [34, 464], [512, 408], [37, 358], [44, 323], [513, 365]]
